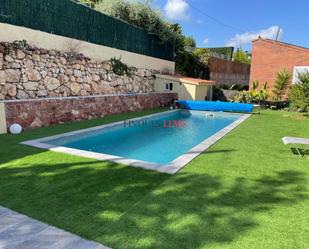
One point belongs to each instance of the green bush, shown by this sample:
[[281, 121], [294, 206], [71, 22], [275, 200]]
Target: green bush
[[282, 82], [225, 52], [299, 94], [243, 97], [119, 67], [241, 56], [254, 95]]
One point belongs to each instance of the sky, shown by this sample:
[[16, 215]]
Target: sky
[[217, 23]]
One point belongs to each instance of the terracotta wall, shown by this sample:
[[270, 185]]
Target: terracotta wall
[[44, 112], [226, 72], [269, 57]]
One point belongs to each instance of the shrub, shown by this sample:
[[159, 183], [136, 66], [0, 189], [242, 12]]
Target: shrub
[[243, 97], [202, 54], [190, 65], [218, 94], [241, 56], [254, 95], [119, 67], [282, 82], [221, 52], [299, 94]]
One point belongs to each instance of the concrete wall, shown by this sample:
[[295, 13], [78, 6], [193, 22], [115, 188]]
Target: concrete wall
[[2, 119], [269, 57], [9, 33], [226, 72], [33, 113]]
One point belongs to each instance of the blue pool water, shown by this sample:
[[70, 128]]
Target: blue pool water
[[155, 139]]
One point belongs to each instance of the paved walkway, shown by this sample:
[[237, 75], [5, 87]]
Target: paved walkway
[[18, 231]]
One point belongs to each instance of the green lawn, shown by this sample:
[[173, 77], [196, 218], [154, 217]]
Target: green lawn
[[248, 191]]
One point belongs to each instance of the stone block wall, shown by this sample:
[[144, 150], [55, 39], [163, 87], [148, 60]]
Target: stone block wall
[[35, 113], [29, 72]]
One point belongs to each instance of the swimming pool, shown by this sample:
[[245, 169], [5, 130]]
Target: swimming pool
[[165, 142]]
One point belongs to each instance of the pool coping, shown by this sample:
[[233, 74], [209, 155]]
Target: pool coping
[[170, 168]]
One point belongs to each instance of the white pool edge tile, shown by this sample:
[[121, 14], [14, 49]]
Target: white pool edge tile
[[184, 159], [170, 168]]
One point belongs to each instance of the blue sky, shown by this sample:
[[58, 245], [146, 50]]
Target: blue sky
[[247, 18]]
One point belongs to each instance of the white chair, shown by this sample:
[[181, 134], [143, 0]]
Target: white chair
[[298, 143]]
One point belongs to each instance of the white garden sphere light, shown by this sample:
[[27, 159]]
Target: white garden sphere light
[[15, 128]]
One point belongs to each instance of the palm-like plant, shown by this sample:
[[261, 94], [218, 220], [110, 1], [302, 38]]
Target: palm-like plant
[[254, 90], [281, 84], [263, 94]]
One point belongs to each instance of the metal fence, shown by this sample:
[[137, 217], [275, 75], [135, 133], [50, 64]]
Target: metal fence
[[70, 19]]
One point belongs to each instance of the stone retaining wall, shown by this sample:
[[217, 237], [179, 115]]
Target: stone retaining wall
[[44, 112], [29, 72]]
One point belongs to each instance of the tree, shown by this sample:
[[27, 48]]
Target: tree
[[188, 62], [182, 41], [140, 14], [203, 54], [299, 95], [176, 28], [189, 41], [282, 82], [90, 3], [241, 56]]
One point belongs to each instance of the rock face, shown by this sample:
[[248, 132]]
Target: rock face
[[10, 89], [33, 75], [12, 75], [51, 83], [30, 72]]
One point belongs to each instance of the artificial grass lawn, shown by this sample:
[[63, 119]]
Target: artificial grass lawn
[[247, 191]]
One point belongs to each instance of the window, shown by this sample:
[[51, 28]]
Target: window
[[299, 70], [169, 87]]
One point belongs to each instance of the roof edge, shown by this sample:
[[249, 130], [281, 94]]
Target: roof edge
[[281, 43]]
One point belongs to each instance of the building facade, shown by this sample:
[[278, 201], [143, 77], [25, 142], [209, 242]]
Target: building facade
[[269, 57], [186, 88]]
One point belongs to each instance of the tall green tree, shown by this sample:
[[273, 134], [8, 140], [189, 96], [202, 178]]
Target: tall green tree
[[140, 14], [144, 16], [189, 41], [203, 54], [241, 56]]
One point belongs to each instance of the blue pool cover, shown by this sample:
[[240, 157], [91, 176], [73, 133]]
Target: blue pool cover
[[215, 106]]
